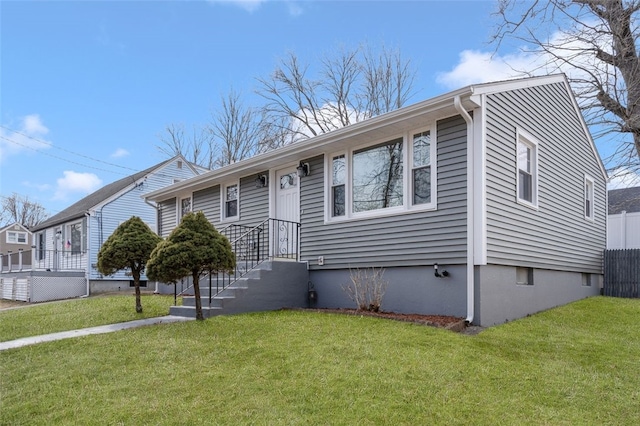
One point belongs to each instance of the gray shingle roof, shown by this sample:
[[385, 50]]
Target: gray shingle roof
[[625, 199], [78, 209]]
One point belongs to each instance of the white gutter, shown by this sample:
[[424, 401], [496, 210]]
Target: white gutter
[[470, 204]]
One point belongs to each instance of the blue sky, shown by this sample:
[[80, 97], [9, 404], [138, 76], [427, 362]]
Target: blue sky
[[86, 87]]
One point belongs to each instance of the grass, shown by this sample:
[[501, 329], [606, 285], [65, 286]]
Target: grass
[[78, 313], [578, 364]]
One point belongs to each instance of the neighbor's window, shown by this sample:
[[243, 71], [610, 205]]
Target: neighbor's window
[[527, 184], [421, 168], [588, 198], [339, 169], [185, 206], [377, 177], [230, 201], [14, 237], [40, 244], [74, 238], [524, 276]]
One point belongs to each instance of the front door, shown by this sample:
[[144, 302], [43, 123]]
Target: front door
[[287, 213]]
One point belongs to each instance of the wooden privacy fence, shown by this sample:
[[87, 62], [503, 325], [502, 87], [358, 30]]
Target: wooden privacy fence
[[622, 273]]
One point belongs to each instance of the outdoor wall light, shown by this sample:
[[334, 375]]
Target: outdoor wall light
[[439, 274], [261, 181], [303, 169]]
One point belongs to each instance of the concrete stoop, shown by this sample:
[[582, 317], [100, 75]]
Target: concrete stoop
[[273, 285]]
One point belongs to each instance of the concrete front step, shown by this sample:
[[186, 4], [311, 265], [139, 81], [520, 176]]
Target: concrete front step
[[190, 311]]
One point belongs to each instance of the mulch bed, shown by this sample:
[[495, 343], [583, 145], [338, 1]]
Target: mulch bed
[[441, 321]]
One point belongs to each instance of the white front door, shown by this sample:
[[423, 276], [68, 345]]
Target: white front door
[[287, 211]]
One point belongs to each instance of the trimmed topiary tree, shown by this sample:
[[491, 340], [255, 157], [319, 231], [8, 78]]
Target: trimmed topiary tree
[[128, 248], [192, 248]]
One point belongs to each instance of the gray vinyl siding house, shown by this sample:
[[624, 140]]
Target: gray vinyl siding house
[[498, 184]]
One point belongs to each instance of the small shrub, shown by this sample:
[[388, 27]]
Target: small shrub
[[366, 288]]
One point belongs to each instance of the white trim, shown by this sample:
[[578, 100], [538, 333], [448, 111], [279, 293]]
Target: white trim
[[407, 178], [589, 185], [223, 202], [480, 183], [17, 233], [525, 138], [179, 199]]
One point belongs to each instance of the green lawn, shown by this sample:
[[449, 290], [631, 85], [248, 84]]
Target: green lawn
[[578, 364], [79, 313]]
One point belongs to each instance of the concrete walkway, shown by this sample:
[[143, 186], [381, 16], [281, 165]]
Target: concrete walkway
[[18, 343]]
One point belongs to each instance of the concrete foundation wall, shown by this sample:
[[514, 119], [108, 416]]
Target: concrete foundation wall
[[109, 286], [499, 299], [412, 290]]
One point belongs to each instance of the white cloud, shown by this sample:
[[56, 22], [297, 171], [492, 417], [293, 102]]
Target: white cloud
[[294, 9], [28, 137], [119, 153], [73, 182], [248, 5], [38, 186], [481, 67]]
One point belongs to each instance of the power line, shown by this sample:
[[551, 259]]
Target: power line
[[57, 147]]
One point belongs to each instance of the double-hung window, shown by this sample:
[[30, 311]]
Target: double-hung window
[[184, 207], [384, 177], [339, 178], [230, 196], [527, 160], [14, 237], [588, 198]]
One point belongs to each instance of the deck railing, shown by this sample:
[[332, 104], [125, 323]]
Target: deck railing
[[42, 260]]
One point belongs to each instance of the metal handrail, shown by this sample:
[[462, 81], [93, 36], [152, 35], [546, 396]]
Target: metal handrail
[[272, 238]]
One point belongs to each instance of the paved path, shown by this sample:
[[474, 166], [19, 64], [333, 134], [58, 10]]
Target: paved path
[[18, 343]]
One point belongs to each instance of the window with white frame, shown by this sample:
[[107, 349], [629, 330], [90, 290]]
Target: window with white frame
[[527, 160], [16, 237], [41, 245], [588, 197], [230, 195], [73, 244], [339, 178], [382, 178], [185, 206], [421, 168]]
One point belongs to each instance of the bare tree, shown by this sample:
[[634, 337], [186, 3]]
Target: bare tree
[[19, 209], [237, 130], [352, 86], [197, 147], [594, 43]]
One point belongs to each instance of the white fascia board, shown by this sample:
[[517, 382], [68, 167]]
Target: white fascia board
[[310, 147], [516, 84]]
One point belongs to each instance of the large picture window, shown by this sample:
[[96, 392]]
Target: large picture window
[[382, 178], [377, 177]]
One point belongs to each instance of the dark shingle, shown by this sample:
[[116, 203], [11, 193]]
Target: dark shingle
[[625, 199]]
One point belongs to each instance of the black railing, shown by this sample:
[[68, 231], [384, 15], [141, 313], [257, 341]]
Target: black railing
[[43, 260], [271, 239]]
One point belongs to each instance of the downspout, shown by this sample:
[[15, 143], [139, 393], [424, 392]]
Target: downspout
[[470, 203]]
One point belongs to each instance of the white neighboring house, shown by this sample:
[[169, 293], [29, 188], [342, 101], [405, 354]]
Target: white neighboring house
[[65, 247], [623, 220]]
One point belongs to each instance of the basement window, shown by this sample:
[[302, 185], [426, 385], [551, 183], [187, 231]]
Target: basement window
[[143, 283], [586, 280], [524, 276]]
